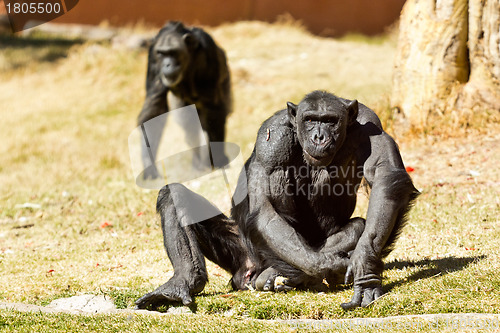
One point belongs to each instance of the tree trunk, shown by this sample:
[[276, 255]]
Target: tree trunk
[[482, 91], [448, 58]]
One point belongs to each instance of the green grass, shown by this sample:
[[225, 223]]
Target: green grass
[[65, 124], [12, 321]]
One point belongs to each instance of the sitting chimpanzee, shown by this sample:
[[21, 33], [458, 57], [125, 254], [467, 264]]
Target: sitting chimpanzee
[[294, 228], [186, 64]]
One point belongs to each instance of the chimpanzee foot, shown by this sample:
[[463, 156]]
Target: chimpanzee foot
[[366, 289], [363, 296], [367, 286], [151, 172], [270, 279], [175, 290]]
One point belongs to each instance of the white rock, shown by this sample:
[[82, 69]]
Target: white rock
[[84, 303]]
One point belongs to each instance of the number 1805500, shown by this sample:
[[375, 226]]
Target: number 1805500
[[33, 8]]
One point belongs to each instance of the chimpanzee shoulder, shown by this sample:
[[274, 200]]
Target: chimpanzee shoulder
[[368, 116], [276, 144]]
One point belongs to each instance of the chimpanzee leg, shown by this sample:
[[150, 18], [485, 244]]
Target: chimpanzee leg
[[341, 243], [188, 238], [213, 120], [154, 106]]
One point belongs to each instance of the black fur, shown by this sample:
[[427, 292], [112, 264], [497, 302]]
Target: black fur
[[295, 222], [186, 64]]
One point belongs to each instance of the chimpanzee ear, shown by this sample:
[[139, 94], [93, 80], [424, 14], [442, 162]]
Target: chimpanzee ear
[[190, 40], [292, 112], [352, 109]]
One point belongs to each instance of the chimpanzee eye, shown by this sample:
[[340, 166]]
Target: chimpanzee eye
[[167, 53]]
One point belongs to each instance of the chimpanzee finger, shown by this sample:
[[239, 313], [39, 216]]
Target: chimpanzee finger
[[356, 299], [143, 302], [186, 299], [281, 284], [378, 292], [282, 288], [370, 295], [151, 300], [349, 275], [367, 297], [269, 285]]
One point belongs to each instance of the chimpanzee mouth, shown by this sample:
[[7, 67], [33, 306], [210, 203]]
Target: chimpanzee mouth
[[170, 80], [318, 161]]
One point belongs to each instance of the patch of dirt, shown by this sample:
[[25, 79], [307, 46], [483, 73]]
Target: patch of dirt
[[470, 160]]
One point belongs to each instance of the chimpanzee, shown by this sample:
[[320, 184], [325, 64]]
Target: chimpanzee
[[294, 228], [188, 65]]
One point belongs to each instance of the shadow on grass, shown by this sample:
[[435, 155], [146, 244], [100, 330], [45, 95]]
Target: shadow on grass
[[430, 268], [20, 51]]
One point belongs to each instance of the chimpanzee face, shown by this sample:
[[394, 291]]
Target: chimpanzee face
[[173, 54], [321, 121]]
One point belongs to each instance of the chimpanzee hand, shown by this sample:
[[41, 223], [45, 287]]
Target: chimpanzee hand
[[175, 290], [367, 283]]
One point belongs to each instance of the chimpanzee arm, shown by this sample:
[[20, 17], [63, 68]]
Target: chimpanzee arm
[[278, 235], [154, 106], [156, 93], [213, 121], [392, 193], [155, 103]]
